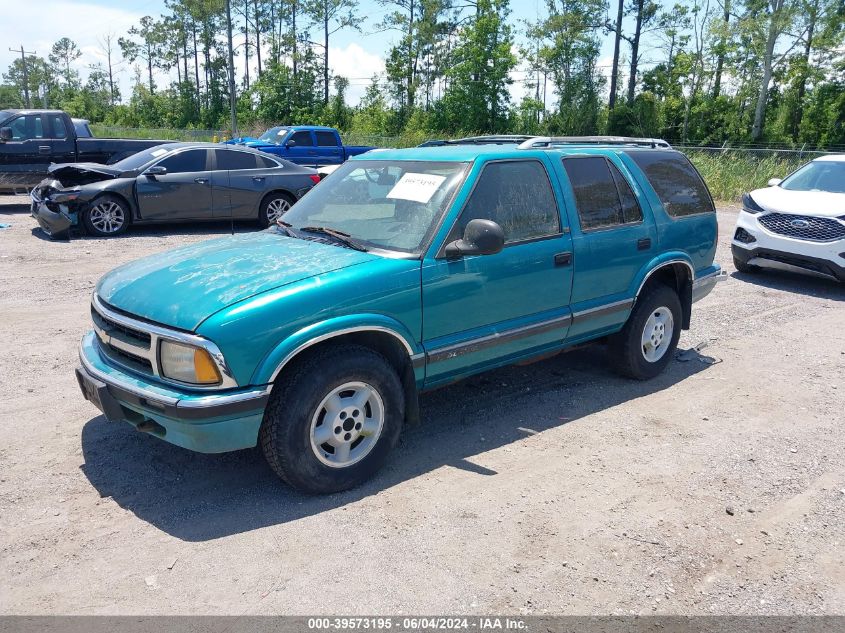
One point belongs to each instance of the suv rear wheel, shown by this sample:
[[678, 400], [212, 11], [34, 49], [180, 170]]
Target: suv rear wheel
[[332, 421], [647, 342]]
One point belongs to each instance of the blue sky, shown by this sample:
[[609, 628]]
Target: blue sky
[[38, 23]]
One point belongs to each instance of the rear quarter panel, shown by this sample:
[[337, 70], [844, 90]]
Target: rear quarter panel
[[693, 236]]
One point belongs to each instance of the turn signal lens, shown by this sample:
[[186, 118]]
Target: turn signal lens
[[204, 368], [187, 363]]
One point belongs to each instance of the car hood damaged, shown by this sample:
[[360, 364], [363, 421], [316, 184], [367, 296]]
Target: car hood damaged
[[76, 174]]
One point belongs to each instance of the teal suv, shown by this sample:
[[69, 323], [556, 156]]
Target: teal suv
[[402, 271]]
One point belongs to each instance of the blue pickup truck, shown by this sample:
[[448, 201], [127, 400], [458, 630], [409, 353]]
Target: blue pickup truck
[[401, 272], [309, 145]]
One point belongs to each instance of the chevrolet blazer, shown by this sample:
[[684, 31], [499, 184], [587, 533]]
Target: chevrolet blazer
[[402, 271]]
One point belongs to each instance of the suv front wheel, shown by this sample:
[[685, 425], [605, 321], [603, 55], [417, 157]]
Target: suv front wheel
[[647, 342], [333, 419]]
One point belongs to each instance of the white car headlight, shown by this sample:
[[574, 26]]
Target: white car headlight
[[187, 363]]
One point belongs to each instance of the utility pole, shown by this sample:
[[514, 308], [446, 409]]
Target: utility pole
[[232, 103], [25, 73]]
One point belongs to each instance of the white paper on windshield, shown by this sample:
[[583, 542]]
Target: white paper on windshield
[[416, 187], [158, 152]]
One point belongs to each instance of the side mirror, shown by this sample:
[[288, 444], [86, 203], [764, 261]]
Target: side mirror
[[774, 182], [156, 170], [290, 144], [481, 237], [5, 134]]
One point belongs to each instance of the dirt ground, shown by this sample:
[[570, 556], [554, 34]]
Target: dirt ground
[[552, 488]]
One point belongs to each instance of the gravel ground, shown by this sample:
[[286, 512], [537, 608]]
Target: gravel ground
[[557, 487]]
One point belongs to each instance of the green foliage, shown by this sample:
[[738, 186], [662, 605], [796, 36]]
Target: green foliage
[[730, 174], [479, 73]]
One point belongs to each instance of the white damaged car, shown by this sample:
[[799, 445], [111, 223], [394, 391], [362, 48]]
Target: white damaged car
[[795, 224]]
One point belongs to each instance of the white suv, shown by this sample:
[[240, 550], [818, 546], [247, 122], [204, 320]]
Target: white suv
[[795, 224]]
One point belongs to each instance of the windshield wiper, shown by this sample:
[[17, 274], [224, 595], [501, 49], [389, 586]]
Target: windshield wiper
[[340, 236], [286, 227]]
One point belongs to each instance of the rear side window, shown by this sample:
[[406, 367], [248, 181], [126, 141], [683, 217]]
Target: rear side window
[[185, 162], [266, 163], [518, 196], [602, 195], [232, 161], [675, 181], [302, 139], [59, 128], [631, 211], [326, 139]]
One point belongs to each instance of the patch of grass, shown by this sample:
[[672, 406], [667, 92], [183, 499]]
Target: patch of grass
[[732, 173]]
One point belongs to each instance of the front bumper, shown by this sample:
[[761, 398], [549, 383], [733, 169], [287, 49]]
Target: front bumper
[[778, 251], [202, 422], [55, 224]]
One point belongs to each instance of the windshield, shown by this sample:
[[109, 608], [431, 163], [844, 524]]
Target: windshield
[[136, 161], [394, 205], [819, 175], [274, 134]]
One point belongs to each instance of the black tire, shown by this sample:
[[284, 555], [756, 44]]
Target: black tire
[[743, 267], [626, 346], [265, 216], [111, 205], [285, 435]]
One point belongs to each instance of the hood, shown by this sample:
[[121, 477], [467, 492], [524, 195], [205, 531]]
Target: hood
[[819, 203], [257, 144], [183, 287], [70, 174]]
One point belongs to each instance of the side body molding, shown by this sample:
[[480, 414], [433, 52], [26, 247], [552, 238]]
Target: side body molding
[[286, 350]]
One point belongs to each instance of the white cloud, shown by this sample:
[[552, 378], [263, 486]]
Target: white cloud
[[38, 25], [357, 65]]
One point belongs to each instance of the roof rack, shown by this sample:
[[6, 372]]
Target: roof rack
[[550, 141], [491, 139]]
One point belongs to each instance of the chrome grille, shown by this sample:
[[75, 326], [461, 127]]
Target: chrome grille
[[804, 227], [124, 345], [133, 344]]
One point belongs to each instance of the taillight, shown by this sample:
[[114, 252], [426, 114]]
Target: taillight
[[315, 178]]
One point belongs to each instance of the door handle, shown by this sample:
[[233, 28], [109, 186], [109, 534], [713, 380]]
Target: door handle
[[644, 244], [201, 181], [258, 178], [563, 259], [43, 149]]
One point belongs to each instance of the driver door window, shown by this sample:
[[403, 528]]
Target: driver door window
[[185, 162], [302, 139], [26, 128], [517, 195]]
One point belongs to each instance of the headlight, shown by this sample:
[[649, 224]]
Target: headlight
[[749, 206], [64, 196], [187, 363]]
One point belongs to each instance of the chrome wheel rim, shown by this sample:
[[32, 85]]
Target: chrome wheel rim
[[107, 217], [276, 208], [347, 424], [657, 334]]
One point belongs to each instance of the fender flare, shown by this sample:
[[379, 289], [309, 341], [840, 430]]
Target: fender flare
[[665, 259], [286, 350], [685, 293]]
